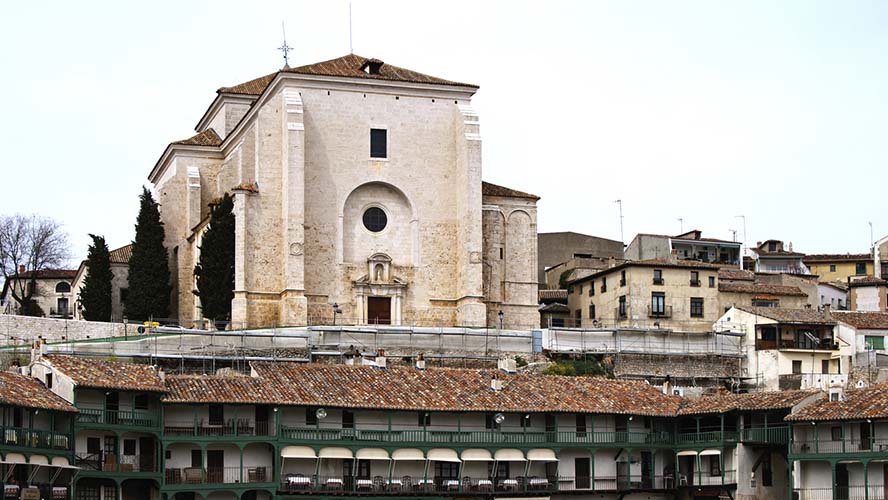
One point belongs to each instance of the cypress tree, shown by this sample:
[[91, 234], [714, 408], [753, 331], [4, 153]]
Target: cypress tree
[[95, 297], [149, 272], [215, 268]]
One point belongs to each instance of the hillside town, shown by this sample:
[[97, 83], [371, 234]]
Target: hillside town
[[324, 298]]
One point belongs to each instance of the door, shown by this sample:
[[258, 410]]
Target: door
[[146, 454], [112, 404], [841, 482], [215, 466], [262, 428], [647, 472], [582, 470], [379, 310]]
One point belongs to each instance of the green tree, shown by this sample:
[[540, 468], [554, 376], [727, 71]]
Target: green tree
[[149, 272], [95, 297], [215, 268]]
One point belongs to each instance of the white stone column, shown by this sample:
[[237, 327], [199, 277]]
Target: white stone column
[[239, 314], [471, 310]]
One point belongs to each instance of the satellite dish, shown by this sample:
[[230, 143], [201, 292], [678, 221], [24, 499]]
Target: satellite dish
[[499, 418], [321, 413]]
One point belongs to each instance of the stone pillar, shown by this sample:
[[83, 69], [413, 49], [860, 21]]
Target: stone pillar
[[471, 310], [293, 304], [239, 314]]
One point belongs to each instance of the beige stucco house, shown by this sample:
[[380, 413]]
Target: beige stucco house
[[357, 188]]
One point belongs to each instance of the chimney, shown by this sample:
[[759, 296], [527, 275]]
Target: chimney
[[38, 349], [162, 375], [496, 384], [21, 269], [507, 365], [420, 362], [667, 386], [380, 359]]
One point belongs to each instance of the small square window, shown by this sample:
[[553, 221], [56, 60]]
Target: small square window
[[378, 143], [860, 268], [712, 282], [796, 367], [832, 268]]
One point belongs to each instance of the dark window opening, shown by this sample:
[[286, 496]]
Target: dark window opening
[[216, 415], [311, 416], [712, 282], [797, 367], [658, 276], [621, 310], [140, 401], [378, 140], [425, 419], [196, 458], [860, 268], [696, 307], [49, 380], [591, 311], [375, 219], [695, 278]]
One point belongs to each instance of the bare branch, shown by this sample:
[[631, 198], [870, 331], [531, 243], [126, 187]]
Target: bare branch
[[32, 243]]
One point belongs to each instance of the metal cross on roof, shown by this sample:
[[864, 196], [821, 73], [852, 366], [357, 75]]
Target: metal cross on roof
[[285, 48]]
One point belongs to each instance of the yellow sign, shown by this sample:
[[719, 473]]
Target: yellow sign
[[151, 324]]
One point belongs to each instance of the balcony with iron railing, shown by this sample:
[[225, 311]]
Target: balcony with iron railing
[[825, 344], [104, 419], [704, 438], [660, 311], [231, 428], [852, 492], [474, 437], [217, 475], [38, 439], [437, 486]]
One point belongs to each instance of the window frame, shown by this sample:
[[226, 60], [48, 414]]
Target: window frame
[[621, 307], [697, 307]]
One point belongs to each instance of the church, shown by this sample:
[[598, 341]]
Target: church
[[358, 199]]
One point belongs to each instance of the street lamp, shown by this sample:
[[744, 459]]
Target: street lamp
[[500, 316]]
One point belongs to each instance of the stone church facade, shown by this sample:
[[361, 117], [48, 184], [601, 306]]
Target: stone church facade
[[356, 184]]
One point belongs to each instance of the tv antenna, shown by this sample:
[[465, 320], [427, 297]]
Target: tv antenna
[[620, 203], [681, 224], [351, 49]]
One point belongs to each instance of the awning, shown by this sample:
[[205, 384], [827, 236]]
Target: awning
[[706, 453], [686, 453], [476, 455], [508, 455], [443, 455], [541, 455], [14, 458], [408, 454], [335, 452], [372, 454], [62, 462], [298, 452], [38, 460]]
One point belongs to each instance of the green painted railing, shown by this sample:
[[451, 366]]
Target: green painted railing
[[133, 418], [769, 435], [47, 440], [476, 437], [701, 438]]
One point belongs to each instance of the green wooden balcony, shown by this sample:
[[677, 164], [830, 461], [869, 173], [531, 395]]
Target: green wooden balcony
[[485, 437], [92, 417], [38, 439], [704, 438], [766, 435]]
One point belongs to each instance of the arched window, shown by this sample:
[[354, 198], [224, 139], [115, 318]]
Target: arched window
[[63, 287]]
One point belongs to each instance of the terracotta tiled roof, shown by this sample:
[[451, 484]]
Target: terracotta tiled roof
[[722, 403], [761, 288], [90, 372], [443, 389], [46, 274], [735, 275], [349, 66], [208, 137], [552, 295], [837, 257], [869, 402], [863, 320], [489, 189], [121, 255], [867, 281], [785, 315], [839, 285], [19, 390], [219, 389]]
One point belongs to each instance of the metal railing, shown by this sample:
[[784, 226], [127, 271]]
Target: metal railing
[[135, 418], [298, 483], [691, 438], [217, 475], [475, 436], [659, 312], [770, 435], [243, 427], [30, 438], [110, 462]]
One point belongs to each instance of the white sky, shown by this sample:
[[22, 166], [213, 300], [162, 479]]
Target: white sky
[[694, 110]]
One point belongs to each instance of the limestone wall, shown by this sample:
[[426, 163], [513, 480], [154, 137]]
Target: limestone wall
[[24, 329]]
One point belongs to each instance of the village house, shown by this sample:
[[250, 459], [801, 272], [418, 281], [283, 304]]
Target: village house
[[52, 292], [119, 258], [868, 293], [839, 267], [662, 293], [770, 256], [690, 245]]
